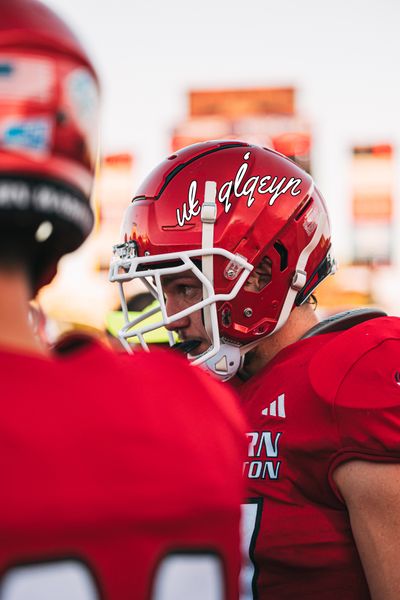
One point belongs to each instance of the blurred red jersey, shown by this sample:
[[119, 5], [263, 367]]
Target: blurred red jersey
[[321, 401], [120, 476]]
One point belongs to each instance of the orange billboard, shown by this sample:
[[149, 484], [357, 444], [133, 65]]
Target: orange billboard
[[236, 103]]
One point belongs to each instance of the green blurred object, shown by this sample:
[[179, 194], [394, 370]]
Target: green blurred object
[[115, 321]]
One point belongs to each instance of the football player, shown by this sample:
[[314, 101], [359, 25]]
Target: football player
[[120, 477], [233, 239]]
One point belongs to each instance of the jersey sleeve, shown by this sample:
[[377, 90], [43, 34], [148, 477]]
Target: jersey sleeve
[[358, 374]]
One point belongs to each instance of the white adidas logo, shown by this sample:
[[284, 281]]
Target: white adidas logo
[[271, 409]]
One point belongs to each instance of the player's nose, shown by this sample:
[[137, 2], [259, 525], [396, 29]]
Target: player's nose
[[181, 323], [172, 308]]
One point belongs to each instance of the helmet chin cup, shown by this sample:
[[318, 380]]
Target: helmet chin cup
[[225, 363]]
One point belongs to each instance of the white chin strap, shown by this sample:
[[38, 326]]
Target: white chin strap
[[299, 279], [208, 217], [225, 359]]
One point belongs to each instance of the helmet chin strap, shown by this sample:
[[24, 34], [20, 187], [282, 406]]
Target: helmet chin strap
[[224, 363], [299, 279], [208, 217]]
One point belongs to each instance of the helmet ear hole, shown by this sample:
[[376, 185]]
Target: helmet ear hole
[[283, 255], [260, 277]]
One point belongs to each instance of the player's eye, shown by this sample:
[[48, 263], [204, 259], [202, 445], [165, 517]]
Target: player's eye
[[187, 291]]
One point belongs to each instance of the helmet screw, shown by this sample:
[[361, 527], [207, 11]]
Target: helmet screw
[[147, 253], [230, 273], [248, 312]]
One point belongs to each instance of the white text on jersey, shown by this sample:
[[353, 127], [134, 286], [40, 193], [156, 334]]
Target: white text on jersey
[[263, 445]]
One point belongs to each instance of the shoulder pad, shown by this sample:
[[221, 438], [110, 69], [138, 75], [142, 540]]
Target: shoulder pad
[[333, 360]]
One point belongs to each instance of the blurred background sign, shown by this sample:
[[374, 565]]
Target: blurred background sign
[[113, 192], [372, 200], [263, 116], [236, 103]]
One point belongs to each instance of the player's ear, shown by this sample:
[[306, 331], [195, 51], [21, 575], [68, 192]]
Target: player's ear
[[260, 276]]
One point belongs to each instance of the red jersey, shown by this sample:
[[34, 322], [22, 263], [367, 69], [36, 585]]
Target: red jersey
[[120, 478], [320, 402]]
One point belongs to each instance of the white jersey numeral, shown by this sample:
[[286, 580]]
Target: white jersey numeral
[[180, 576], [250, 524], [186, 576], [62, 580]]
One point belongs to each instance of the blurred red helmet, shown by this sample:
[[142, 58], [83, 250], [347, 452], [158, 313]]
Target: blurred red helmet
[[267, 211], [48, 127]]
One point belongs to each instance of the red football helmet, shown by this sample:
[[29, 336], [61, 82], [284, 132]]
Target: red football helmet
[[258, 206], [48, 129]]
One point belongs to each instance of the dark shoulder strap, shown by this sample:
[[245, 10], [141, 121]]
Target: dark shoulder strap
[[344, 320]]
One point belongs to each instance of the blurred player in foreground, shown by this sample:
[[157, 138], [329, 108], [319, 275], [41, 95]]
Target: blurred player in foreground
[[234, 274], [120, 477]]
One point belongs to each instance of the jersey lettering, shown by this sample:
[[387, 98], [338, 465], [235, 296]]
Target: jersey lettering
[[264, 444]]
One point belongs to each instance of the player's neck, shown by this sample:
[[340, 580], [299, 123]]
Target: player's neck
[[16, 333], [300, 321]]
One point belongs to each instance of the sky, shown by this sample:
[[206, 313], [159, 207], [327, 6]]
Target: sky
[[342, 56]]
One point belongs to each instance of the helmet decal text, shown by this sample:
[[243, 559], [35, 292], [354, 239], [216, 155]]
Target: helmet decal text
[[238, 187], [27, 135]]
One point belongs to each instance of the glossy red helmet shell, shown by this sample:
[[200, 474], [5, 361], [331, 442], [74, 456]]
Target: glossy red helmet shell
[[267, 207], [48, 121]]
